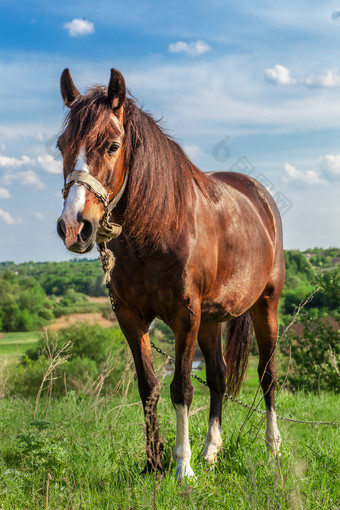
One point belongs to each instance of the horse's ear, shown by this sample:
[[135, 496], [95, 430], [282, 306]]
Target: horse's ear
[[116, 92], [68, 89]]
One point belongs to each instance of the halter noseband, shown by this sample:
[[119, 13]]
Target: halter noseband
[[107, 230], [94, 186]]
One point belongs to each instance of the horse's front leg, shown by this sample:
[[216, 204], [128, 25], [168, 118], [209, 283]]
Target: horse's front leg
[[185, 329], [136, 333]]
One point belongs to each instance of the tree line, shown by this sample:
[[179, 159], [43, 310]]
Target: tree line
[[32, 294]]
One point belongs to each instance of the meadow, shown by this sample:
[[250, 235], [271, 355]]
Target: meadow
[[71, 422], [86, 450]]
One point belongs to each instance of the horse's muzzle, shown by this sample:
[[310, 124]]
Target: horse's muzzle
[[78, 237]]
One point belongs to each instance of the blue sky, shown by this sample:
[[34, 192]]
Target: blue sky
[[247, 85]]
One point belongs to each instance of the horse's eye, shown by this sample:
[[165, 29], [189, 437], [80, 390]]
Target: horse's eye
[[58, 146], [113, 148]]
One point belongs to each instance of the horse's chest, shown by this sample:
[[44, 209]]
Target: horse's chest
[[150, 289]]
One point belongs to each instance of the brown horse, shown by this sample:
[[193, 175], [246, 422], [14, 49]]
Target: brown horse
[[196, 250]]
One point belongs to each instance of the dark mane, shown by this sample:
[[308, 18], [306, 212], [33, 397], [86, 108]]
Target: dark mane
[[162, 179]]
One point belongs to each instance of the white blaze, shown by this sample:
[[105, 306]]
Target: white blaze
[[81, 164], [75, 201]]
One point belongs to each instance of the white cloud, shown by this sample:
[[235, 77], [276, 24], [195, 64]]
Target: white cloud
[[330, 78], [193, 49], [4, 193], [39, 216], [30, 178], [5, 161], [39, 136], [302, 177], [280, 75], [328, 171], [193, 151], [330, 166], [47, 162], [78, 27], [6, 217], [50, 164]]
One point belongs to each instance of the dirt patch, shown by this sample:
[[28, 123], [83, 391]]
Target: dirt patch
[[77, 318], [101, 299]]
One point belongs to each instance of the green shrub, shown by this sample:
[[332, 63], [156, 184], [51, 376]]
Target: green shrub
[[315, 356], [95, 350]]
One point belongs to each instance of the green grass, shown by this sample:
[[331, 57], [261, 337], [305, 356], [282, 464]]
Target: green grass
[[90, 452], [13, 345]]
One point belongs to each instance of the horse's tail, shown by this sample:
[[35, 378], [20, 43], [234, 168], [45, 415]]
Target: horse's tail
[[236, 351]]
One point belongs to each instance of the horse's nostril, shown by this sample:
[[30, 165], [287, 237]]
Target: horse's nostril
[[86, 231], [61, 228]]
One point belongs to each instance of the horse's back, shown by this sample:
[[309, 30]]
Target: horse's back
[[255, 192]]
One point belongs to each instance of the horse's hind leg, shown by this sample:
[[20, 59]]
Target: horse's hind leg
[[210, 342], [264, 317]]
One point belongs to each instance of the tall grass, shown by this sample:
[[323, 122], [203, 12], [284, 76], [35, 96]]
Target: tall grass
[[88, 450]]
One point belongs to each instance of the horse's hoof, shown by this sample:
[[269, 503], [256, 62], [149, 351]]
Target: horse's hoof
[[150, 468], [184, 471], [209, 458], [210, 453]]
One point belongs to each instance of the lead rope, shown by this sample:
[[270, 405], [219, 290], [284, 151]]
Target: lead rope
[[107, 231]]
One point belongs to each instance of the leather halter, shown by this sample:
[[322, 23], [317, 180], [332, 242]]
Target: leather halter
[[107, 230], [109, 200]]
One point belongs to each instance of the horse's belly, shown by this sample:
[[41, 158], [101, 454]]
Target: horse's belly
[[214, 312], [232, 298]]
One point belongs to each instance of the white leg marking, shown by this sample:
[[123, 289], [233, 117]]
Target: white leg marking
[[273, 437], [182, 452], [213, 442]]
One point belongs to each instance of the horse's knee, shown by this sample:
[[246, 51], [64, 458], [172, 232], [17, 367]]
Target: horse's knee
[[181, 392]]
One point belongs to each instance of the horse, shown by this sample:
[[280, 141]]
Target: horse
[[195, 249]]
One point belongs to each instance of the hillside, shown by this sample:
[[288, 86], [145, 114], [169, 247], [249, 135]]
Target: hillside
[[34, 293]]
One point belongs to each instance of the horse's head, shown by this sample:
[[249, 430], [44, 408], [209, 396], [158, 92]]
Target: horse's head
[[92, 146]]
